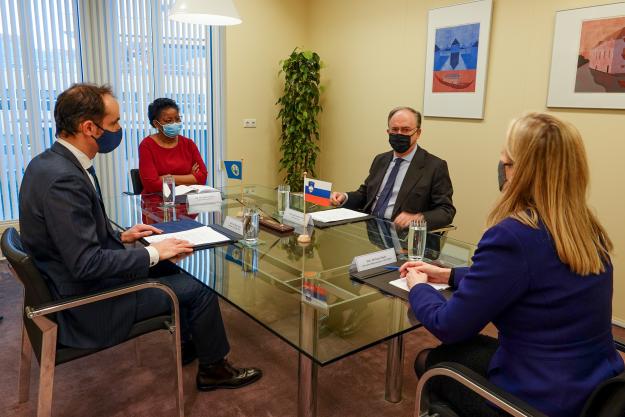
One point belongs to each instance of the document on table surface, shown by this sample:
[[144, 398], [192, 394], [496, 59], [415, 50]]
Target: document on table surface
[[335, 215], [197, 236], [403, 284], [195, 188]]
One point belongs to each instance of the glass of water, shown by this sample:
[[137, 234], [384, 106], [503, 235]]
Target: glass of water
[[283, 198], [169, 190], [251, 218], [417, 235]]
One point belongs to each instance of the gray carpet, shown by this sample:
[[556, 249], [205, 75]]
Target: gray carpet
[[111, 383]]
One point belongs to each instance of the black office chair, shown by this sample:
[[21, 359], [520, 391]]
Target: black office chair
[[135, 178], [39, 332], [607, 400]]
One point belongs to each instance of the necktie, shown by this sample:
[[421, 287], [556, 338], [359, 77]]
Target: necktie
[[91, 170], [385, 195]]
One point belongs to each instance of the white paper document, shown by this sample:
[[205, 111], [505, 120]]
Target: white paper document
[[198, 236], [195, 188], [335, 215], [403, 284]]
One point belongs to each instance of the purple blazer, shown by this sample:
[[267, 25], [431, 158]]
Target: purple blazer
[[555, 332]]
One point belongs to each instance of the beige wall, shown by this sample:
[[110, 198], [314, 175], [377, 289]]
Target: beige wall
[[374, 51], [270, 31]]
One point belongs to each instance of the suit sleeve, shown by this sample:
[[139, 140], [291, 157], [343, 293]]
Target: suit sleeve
[[442, 210], [69, 216], [150, 177], [356, 200], [499, 267], [202, 174]]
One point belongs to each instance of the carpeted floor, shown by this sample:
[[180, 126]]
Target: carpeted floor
[[112, 383]]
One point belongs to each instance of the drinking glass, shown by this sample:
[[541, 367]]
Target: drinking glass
[[283, 198], [169, 190], [251, 218], [417, 235]]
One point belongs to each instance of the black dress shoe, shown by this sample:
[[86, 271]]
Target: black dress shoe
[[188, 352], [224, 375]]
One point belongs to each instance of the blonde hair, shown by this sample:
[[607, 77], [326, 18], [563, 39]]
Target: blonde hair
[[549, 184]]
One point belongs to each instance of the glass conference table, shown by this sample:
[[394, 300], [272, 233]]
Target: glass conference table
[[302, 294]]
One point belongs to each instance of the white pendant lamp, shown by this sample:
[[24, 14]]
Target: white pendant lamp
[[205, 12]]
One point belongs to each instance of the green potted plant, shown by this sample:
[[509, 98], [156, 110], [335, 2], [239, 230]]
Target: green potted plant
[[299, 108]]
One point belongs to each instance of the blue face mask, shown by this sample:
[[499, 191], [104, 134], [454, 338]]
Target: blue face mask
[[171, 130], [108, 141]]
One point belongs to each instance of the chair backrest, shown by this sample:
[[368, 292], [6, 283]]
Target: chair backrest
[[36, 291], [607, 400], [137, 185]]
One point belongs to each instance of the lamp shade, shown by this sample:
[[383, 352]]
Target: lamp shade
[[205, 12]]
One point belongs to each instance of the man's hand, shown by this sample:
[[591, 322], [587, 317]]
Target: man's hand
[[403, 219], [172, 248], [195, 168], [336, 199], [414, 277], [138, 231], [435, 274]]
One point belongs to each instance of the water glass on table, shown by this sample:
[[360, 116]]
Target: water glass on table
[[417, 235], [283, 198], [251, 218], [169, 190]]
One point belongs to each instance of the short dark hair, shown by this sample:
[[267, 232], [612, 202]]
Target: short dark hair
[[417, 115], [157, 106], [78, 103]]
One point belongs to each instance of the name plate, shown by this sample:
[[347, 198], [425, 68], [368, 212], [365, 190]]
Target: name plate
[[203, 198], [234, 224], [374, 259], [295, 217]]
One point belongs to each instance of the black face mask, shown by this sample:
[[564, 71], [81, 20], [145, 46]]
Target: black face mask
[[400, 143], [501, 175]]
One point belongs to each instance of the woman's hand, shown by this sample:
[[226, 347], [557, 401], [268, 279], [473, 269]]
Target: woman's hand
[[414, 277], [195, 168], [435, 274]]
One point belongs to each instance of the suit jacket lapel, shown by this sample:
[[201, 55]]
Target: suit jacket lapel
[[413, 175], [376, 182]]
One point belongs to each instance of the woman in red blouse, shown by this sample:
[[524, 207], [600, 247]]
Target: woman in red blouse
[[168, 153]]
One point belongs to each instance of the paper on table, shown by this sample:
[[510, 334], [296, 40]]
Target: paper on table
[[198, 236], [401, 283], [335, 215], [195, 188]]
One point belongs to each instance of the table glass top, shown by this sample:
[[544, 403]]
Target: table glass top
[[303, 294]]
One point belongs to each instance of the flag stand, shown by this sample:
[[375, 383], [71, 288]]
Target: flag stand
[[240, 213], [304, 238]]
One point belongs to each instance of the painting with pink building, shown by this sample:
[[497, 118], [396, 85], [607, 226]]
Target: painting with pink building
[[601, 60]]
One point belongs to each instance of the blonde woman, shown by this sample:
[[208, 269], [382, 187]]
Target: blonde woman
[[541, 273]]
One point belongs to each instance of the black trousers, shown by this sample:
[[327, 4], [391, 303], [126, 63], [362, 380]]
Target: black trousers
[[200, 317], [475, 354]]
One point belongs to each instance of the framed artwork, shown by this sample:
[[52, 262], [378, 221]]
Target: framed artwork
[[457, 55], [588, 58]]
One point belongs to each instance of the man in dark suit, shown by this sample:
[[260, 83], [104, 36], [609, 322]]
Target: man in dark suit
[[407, 183], [65, 229]]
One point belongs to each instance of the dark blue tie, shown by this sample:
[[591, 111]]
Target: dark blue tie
[[91, 170], [385, 195]]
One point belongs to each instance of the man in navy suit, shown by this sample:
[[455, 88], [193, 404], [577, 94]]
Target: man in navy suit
[[65, 229]]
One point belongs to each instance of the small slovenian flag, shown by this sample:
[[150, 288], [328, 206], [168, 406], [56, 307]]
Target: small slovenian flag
[[317, 192], [234, 169]]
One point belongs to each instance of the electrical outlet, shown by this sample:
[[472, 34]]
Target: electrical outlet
[[249, 123]]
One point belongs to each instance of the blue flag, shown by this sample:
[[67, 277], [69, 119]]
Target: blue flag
[[234, 169]]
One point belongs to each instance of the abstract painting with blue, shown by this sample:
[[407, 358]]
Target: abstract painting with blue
[[455, 59]]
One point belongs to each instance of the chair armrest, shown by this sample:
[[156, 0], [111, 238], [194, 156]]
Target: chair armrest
[[444, 229], [71, 302], [478, 384], [620, 345]]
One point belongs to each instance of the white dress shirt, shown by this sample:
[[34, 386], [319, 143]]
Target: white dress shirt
[[401, 174], [87, 163]]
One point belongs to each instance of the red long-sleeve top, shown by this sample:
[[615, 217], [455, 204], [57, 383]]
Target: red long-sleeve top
[[154, 161]]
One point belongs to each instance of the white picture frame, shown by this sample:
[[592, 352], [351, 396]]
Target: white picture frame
[[463, 98], [565, 90]]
